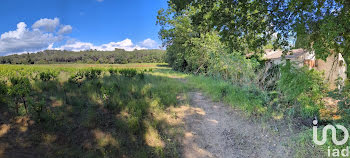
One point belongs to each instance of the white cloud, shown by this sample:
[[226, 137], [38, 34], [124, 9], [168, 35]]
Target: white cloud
[[149, 43], [125, 44], [47, 33], [22, 39], [65, 29], [43, 34], [17, 34], [45, 24], [78, 46]]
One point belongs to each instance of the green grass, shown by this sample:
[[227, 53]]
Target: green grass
[[106, 115], [246, 98], [249, 99]]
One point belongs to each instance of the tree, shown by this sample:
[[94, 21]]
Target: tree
[[246, 26]]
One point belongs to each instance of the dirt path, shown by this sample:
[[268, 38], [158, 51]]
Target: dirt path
[[214, 129]]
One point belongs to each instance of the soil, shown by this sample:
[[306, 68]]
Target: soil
[[213, 129]]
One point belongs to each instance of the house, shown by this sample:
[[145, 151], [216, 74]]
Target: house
[[334, 67]]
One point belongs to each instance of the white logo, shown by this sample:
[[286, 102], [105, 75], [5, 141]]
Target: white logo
[[334, 134]]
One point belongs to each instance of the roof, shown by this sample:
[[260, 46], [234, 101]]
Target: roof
[[276, 54]]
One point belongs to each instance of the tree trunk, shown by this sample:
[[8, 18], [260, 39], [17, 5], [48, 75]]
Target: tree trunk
[[25, 105]]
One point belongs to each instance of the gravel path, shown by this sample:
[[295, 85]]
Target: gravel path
[[213, 129]]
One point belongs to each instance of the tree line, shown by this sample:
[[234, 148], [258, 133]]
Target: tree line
[[118, 56]]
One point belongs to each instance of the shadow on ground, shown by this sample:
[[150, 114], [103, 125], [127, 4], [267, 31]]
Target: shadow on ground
[[112, 116]]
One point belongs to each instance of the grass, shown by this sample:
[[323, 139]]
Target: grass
[[107, 115], [247, 99]]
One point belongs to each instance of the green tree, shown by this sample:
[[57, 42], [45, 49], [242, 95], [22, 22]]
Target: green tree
[[246, 26]]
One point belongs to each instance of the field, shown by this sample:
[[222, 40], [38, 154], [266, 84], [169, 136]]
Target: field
[[88, 111]]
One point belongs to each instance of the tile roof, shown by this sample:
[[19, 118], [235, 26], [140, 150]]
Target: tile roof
[[276, 54]]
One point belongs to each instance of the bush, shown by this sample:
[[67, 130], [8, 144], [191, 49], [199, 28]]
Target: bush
[[46, 76], [20, 89], [77, 78], [128, 72], [3, 92], [37, 108], [233, 67], [142, 75], [113, 71], [302, 88], [92, 73]]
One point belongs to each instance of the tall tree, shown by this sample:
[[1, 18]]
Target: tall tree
[[246, 26]]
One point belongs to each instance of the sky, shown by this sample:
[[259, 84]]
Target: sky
[[35, 25]]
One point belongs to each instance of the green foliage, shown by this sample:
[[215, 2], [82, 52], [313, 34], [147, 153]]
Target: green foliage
[[92, 73], [128, 72], [302, 88], [38, 108], [3, 92], [321, 26], [77, 78], [118, 56], [344, 102], [46, 76], [19, 90], [242, 26], [113, 71], [234, 68], [141, 75], [248, 27], [249, 99], [191, 50], [20, 86]]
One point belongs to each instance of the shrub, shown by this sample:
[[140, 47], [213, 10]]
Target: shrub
[[92, 73], [46, 76], [3, 92], [142, 75], [233, 67], [128, 72], [302, 87], [20, 89], [113, 71], [77, 78], [37, 108]]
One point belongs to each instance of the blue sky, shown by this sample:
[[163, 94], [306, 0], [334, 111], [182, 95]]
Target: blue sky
[[33, 25]]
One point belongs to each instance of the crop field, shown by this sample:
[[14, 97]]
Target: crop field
[[88, 111]]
